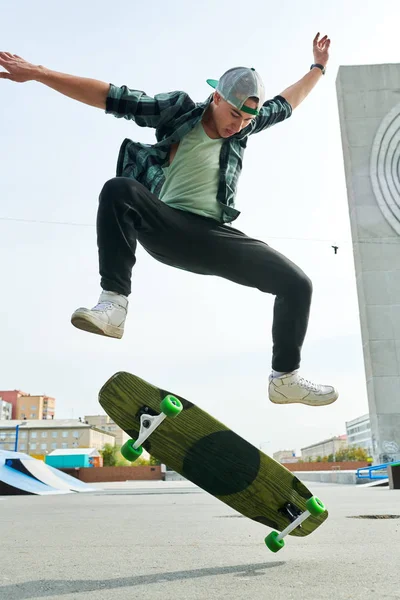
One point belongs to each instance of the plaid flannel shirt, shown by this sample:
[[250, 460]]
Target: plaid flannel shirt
[[173, 115]]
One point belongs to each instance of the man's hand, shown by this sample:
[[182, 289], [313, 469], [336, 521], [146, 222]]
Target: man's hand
[[321, 50], [295, 94], [17, 69], [88, 91]]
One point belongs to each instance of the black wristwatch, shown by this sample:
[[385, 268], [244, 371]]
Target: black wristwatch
[[319, 67]]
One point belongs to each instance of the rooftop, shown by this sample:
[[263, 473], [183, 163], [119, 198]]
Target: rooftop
[[49, 424], [78, 451], [42, 423]]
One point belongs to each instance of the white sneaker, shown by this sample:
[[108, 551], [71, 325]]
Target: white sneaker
[[106, 318], [291, 388]]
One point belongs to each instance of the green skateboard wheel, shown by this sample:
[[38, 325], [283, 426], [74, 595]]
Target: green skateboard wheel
[[129, 452], [272, 543], [171, 406], [315, 507]]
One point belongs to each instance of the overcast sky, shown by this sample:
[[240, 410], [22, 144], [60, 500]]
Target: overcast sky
[[204, 338]]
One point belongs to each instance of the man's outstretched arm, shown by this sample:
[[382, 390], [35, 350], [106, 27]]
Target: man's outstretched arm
[[88, 91], [295, 94], [280, 108]]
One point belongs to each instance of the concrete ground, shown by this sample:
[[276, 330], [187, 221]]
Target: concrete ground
[[170, 540]]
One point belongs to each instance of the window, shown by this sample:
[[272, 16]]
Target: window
[[43, 446], [44, 434], [54, 434], [33, 416], [65, 434], [33, 446], [54, 445], [34, 434], [21, 446], [75, 434], [33, 407], [23, 435], [64, 446]]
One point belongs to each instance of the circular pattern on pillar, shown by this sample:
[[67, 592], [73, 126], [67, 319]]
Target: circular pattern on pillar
[[385, 167], [222, 463]]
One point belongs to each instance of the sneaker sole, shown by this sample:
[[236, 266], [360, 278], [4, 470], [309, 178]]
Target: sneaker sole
[[304, 401], [87, 322]]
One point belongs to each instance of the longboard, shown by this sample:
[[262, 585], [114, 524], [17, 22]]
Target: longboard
[[209, 454]]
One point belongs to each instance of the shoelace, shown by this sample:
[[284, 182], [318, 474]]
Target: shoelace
[[309, 385], [103, 306]]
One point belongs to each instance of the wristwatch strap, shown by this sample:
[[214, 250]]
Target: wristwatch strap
[[319, 67]]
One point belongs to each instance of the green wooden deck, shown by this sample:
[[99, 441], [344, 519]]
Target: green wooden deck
[[210, 455]]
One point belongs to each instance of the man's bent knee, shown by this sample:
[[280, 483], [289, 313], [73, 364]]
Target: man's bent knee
[[304, 286], [116, 188]]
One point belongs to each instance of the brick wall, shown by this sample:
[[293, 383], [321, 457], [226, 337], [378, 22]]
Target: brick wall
[[350, 465], [96, 474], [146, 473]]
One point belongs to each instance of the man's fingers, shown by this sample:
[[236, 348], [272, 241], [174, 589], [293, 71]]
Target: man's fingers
[[325, 45], [318, 41], [4, 60], [315, 40], [4, 75]]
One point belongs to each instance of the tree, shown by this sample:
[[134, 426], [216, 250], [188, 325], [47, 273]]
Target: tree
[[112, 457], [120, 461], [140, 462], [350, 453], [342, 455], [108, 454]]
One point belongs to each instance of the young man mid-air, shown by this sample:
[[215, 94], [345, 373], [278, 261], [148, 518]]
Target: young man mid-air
[[176, 198]]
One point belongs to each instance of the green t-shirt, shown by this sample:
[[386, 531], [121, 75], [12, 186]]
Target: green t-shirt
[[191, 181]]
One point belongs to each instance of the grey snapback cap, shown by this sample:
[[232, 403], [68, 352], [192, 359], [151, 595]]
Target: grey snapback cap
[[239, 84]]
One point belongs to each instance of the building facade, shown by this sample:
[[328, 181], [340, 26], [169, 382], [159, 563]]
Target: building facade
[[5, 410], [40, 437], [324, 448], [369, 111], [285, 456], [105, 423], [34, 407], [12, 397], [359, 433]]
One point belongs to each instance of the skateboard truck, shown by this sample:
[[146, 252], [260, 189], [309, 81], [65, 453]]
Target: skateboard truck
[[170, 407], [148, 423], [314, 508], [291, 511]]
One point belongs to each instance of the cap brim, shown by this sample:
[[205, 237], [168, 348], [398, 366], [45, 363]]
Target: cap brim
[[212, 82]]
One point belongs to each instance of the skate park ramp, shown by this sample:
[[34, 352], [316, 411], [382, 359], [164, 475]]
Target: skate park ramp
[[22, 474]]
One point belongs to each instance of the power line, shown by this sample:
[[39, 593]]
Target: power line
[[394, 242], [46, 222]]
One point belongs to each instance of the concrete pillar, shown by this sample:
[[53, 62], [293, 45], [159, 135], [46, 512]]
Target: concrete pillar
[[369, 110], [394, 476]]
